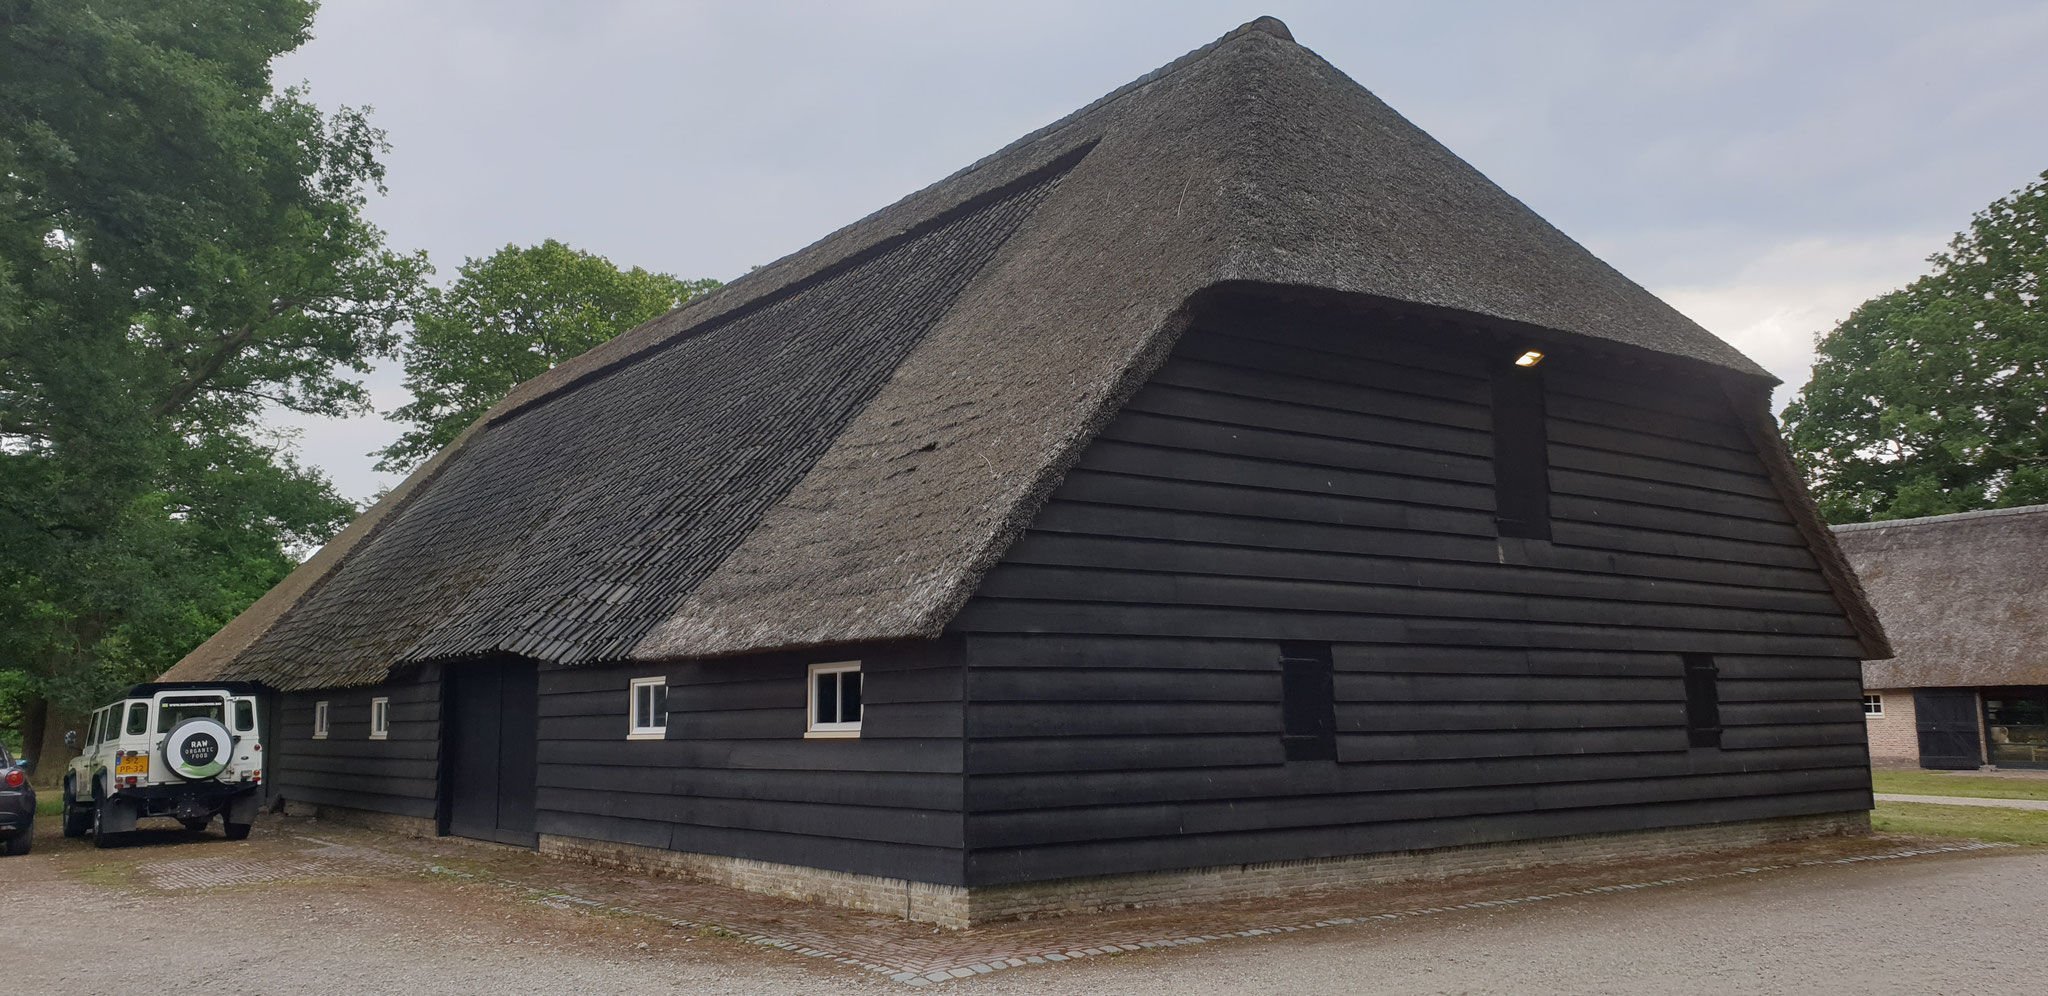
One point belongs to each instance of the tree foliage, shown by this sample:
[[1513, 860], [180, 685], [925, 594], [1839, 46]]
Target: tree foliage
[[511, 317], [181, 247], [1934, 399]]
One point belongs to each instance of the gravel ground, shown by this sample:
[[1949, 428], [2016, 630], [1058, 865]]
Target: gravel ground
[[75, 921]]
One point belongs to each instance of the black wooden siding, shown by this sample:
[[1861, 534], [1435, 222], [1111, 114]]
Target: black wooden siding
[[736, 776], [398, 774], [1320, 483]]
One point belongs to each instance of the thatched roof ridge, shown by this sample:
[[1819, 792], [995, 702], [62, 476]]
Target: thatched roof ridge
[[1020, 302], [1964, 596]]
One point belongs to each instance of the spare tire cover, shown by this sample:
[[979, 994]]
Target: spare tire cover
[[198, 748]]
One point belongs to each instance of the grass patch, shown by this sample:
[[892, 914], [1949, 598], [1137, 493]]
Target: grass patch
[[2017, 826], [48, 805], [1938, 783]]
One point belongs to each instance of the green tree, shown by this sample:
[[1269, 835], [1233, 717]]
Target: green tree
[[509, 318], [1934, 399], [181, 247]]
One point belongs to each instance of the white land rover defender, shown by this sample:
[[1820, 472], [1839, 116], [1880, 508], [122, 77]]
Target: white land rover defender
[[185, 750]]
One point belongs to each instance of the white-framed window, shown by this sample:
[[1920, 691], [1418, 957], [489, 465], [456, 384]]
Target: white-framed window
[[649, 711], [319, 720], [834, 701], [380, 718], [1873, 705]]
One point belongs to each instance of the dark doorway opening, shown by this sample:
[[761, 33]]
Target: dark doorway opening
[[491, 738], [2016, 726], [1947, 718]]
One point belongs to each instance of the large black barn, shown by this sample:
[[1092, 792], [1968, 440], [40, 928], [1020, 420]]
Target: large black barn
[[1220, 484]]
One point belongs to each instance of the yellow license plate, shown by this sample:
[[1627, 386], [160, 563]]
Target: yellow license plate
[[137, 764]]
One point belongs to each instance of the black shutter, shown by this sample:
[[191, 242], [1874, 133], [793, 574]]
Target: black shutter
[[1308, 702], [1702, 701], [1521, 454]]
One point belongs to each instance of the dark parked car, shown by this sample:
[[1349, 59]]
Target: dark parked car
[[17, 805]]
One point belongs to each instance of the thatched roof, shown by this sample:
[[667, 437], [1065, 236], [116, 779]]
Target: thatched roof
[[836, 447], [1964, 597]]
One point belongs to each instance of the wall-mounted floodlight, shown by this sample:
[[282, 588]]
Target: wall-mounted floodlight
[[1529, 359]]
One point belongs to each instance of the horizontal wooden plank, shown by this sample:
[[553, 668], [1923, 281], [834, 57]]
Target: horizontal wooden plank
[[1020, 828], [397, 805], [886, 789], [1253, 501], [1033, 790], [1627, 438], [1321, 451], [1720, 433], [302, 765], [1298, 415], [1079, 588], [1081, 653], [1486, 717], [1790, 690], [992, 866], [1044, 754], [1620, 538], [1100, 719], [365, 783], [1079, 518], [1474, 688], [1014, 615], [906, 826], [298, 747], [1663, 494], [1793, 735], [1753, 667], [1110, 520], [1046, 549], [1138, 459], [1385, 340], [1567, 457], [1842, 709], [1598, 511], [778, 754], [1249, 382], [1427, 746], [1326, 364], [994, 687]]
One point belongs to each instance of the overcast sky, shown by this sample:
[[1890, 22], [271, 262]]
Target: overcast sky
[[1763, 167]]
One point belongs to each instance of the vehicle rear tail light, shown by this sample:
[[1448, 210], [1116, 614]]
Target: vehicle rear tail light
[[130, 782], [259, 778], [15, 779]]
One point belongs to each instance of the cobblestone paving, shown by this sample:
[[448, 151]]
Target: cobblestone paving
[[920, 955], [325, 859]]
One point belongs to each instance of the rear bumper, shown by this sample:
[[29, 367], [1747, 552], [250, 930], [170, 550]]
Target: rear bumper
[[190, 800], [15, 820]]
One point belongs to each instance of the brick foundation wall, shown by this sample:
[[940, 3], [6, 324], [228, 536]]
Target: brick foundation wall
[[945, 905], [951, 906], [1280, 878], [1894, 736], [411, 826]]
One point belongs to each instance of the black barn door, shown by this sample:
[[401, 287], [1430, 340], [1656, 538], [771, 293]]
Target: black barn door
[[493, 731], [1947, 718]]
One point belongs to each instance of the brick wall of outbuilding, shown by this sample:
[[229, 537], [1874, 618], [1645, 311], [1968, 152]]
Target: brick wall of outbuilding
[[1894, 735]]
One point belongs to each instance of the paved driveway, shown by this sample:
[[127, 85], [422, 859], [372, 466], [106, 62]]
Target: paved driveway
[[355, 912]]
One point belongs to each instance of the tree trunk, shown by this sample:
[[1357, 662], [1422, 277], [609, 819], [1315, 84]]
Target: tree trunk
[[35, 713]]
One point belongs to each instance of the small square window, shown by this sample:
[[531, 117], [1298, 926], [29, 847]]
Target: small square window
[[834, 701], [138, 718], [319, 720], [649, 719], [1873, 706], [380, 718]]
